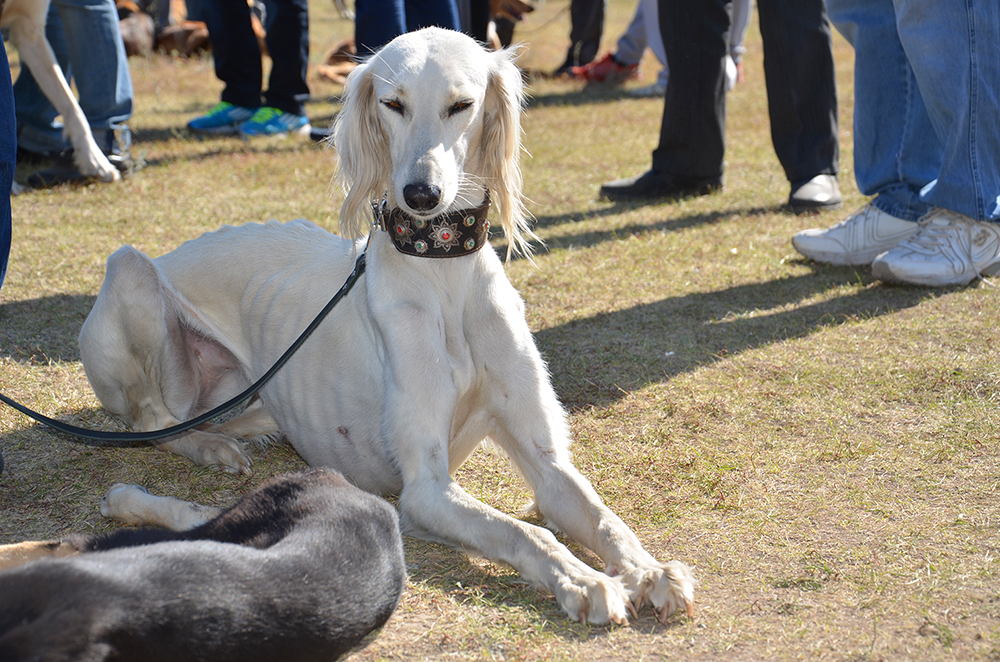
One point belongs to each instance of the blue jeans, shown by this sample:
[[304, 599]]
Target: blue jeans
[[377, 22], [926, 83], [87, 41]]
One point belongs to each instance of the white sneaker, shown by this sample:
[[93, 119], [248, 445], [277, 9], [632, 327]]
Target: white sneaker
[[948, 249], [856, 240]]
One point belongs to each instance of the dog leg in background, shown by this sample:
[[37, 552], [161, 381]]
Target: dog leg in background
[[134, 505], [255, 421], [28, 34]]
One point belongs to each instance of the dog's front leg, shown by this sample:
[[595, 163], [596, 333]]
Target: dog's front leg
[[133, 504], [34, 48], [417, 419], [434, 507], [532, 429], [570, 504], [536, 439]]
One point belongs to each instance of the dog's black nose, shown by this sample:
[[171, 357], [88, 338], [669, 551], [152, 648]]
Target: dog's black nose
[[421, 197]]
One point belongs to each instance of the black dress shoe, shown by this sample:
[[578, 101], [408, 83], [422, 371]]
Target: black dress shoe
[[816, 194], [30, 158], [653, 185], [64, 171]]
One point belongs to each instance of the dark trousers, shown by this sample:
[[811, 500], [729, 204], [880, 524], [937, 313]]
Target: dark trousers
[[8, 151], [799, 73], [586, 28], [237, 54]]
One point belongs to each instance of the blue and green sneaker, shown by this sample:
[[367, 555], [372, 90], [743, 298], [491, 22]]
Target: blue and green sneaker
[[268, 121], [225, 118]]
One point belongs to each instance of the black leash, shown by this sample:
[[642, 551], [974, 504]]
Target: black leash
[[135, 438]]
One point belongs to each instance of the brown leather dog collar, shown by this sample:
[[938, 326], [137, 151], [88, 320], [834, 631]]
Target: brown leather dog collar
[[452, 234]]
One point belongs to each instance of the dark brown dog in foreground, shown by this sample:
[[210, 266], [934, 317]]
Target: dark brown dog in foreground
[[302, 568]]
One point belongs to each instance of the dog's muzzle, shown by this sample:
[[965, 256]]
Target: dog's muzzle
[[452, 234]]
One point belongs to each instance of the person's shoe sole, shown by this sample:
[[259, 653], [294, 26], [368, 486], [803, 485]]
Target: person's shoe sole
[[814, 207]]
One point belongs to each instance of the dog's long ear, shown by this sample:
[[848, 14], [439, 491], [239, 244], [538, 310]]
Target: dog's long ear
[[500, 149], [362, 151]]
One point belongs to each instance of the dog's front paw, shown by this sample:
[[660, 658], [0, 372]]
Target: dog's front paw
[[122, 502], [208, 448], [225, 452], [669, 587], [596, 599]]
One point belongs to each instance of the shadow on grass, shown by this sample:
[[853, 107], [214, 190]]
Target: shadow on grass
[[589, 95], [598, 360], [227, 145], [594, 237], [40, 330]]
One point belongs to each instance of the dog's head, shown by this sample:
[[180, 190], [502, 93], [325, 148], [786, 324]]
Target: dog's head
[[430, 121]]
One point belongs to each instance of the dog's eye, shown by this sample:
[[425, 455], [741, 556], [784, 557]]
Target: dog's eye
[[459, 107], [394, 105]]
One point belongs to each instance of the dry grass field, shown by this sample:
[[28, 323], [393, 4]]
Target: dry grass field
[[825, 448]]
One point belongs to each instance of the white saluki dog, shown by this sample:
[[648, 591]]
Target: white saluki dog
[[26, 20], [422, 361]]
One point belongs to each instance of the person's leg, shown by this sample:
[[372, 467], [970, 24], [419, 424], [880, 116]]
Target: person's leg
[[654, 37], [801, 89], [235, 51], [742, 14], [431, 13], [692, 131], [802, 99], [288, 44], [8, 150], [376, 23], [623, 64], [632, 44], [99, 68], [37, 128], [896, 151], [960, 94], [586, 28], [689, 157], [959, 239]]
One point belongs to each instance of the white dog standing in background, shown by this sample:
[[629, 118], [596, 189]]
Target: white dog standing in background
[[26, 20], [422, 361]]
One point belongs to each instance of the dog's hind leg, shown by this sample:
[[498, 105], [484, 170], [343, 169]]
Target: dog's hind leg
[[254, 422], [142, 366], [28, 33], [132, 504]]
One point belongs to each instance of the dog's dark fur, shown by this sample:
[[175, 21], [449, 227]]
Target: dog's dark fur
[[300, 569]]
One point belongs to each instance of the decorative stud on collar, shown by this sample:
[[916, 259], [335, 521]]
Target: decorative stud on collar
[[453, 234]]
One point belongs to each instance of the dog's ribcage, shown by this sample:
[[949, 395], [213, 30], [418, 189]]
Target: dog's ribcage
[[328, 398]]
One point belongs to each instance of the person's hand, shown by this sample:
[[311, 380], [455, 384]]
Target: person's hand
[[511, 9]]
